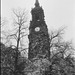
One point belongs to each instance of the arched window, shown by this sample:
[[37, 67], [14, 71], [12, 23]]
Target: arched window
[[37, 17]]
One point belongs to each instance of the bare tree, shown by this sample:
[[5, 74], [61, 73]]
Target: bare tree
[[3, 22], [19, 31], [57, 42], [61, 54]]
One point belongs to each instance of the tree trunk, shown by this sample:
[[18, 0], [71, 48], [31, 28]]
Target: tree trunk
[[16, 56]]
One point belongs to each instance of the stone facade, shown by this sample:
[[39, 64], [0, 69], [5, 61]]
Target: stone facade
[[38, 34]]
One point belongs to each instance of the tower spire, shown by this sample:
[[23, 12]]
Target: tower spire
[[37, 3]]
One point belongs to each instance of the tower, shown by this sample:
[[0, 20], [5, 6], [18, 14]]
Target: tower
[[38, 33]]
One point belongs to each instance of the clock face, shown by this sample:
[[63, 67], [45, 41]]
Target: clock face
[[37, 29]]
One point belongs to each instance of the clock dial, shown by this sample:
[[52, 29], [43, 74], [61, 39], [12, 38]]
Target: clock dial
[[37, 29]]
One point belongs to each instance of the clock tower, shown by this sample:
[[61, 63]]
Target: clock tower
[[38, 34]]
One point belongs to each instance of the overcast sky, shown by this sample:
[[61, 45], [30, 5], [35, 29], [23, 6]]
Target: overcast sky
[[58, 13]]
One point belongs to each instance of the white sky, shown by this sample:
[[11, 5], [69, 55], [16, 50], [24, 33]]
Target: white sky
[[57, 13]]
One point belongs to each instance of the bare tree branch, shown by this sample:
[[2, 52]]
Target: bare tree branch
[[20, 31]]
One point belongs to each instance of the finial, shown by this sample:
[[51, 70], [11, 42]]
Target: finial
[[37, 3]]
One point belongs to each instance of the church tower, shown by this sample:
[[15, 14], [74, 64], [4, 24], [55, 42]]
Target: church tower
[[38, 34]]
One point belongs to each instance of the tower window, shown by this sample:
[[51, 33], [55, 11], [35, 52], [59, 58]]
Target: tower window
[[37, 17]]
